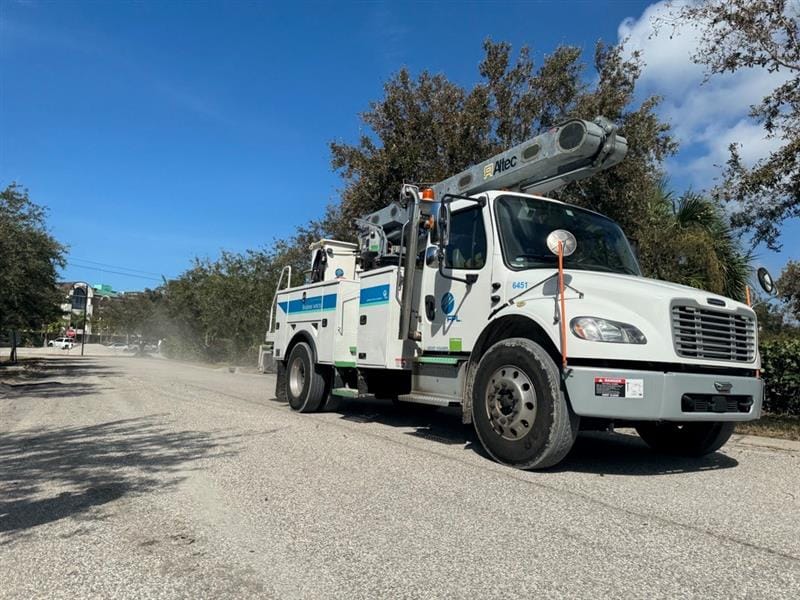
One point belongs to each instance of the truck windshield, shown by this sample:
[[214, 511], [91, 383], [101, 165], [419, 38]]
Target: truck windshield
[[526, 222]]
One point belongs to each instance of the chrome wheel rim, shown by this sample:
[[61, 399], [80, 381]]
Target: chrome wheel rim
[[297, 377], [511, 402]]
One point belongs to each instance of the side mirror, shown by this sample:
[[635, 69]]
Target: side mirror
[[432, 256], [443, 225], [766, 282]]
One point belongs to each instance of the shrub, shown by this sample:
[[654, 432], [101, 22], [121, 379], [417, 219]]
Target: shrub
[[780, 368]]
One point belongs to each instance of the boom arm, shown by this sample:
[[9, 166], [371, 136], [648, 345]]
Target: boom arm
[[574, 150]]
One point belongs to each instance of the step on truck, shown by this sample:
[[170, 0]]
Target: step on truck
[[530, 314]]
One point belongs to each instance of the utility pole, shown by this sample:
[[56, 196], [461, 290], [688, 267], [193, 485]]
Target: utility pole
[[85, 305]]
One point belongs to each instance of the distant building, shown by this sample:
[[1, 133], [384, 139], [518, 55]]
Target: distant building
[[75, 299]]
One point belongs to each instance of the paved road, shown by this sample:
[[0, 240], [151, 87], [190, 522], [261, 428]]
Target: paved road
[[139, 478]]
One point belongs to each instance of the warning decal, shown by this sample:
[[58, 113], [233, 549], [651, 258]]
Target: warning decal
[[618, 387]]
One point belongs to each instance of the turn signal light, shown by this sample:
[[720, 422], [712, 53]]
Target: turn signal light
[[427, 194]]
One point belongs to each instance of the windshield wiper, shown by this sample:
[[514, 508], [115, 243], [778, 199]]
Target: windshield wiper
[[513, 299]]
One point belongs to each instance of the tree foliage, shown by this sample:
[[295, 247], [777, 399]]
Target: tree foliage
[[140, 314], [688, 240], [216, 310], [29, 257], [428, 128], [780, 365], [219, 308], [765, 34], [789, 287]]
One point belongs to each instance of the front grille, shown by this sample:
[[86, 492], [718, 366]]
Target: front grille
[[715, 403], [712, 334]]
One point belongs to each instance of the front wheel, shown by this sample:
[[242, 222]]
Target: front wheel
[[685, 439], [518, 408], [306, 385]]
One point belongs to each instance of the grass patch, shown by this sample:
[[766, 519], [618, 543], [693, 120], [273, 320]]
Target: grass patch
[[774, 426]]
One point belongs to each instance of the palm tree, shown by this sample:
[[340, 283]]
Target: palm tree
[[690, 241]]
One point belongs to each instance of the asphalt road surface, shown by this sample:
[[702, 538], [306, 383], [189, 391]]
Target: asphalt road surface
[[126, 477]]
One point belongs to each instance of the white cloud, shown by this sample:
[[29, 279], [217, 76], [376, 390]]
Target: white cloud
[[706, 116], [715, 141]]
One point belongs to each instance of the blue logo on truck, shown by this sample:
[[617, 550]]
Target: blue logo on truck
[[448, 303], [371, 296], [309, 304]]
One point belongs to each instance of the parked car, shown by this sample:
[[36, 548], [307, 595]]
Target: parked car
[[118, 346], [63, 342]]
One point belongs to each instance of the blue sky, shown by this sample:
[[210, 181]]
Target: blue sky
[[160, 131]]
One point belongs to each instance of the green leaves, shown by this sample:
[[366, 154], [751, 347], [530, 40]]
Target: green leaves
[[29, 257], [780, 367], [789, 287], [426, 129], [689, 241]]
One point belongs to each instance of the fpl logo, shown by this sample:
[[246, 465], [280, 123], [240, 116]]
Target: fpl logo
[[448, 305]]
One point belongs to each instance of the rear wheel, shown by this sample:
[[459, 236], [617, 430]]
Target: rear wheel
[[306, 382], [685, 439], [519, 411]]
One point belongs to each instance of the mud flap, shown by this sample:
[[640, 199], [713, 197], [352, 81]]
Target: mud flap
[[280, 381]]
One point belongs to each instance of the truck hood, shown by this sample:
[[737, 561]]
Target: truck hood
[[645, 303], [635, 286]]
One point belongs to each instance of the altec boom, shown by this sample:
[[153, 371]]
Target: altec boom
[[528, 313]]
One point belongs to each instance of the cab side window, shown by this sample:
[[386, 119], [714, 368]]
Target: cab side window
[[467, 247]]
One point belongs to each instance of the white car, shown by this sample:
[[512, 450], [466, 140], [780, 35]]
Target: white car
[[62, 342]]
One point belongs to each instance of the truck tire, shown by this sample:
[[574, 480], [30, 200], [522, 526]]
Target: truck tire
[[685, 439], [306, 385], [519, 411]]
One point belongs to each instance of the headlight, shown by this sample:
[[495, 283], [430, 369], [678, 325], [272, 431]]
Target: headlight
[[595, 329]]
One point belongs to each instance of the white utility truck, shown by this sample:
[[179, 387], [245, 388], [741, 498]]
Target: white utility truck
[[530, 314]]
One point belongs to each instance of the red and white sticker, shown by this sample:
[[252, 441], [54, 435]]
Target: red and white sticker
[[618, 387]]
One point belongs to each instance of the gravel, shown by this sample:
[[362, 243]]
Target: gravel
[[125, 477]]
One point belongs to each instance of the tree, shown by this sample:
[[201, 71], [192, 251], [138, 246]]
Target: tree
[[789, 287], [745, 34], [29, 257], [218, 309], [689, 241], [427, 129], [139, 314]]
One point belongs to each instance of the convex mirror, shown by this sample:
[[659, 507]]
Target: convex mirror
[[567, 239]]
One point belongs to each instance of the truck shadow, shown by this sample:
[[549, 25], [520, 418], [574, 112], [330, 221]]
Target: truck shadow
[[626, 454], [594, 452], [48, 474]]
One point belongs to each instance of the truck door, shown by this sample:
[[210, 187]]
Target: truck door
[[453, 312]]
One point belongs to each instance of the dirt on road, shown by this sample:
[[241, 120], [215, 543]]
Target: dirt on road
[[124, 477]]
